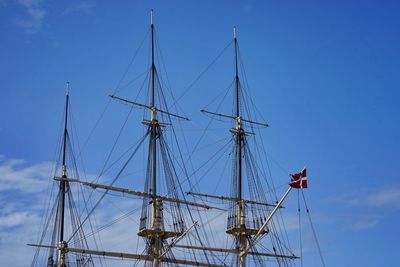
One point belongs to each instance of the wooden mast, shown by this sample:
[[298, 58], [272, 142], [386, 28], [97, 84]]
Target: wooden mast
[[62, 245], [156, 212], [241, 207]]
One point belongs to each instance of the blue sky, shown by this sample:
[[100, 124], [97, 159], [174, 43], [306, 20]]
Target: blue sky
[[323, 74]]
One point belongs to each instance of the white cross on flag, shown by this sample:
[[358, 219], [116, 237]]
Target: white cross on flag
[[299, 180]]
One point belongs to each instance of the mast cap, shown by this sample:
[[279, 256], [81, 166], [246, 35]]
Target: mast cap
[[68, 88]]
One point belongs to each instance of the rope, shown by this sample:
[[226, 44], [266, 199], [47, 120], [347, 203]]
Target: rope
[[114, 180], [114, 92], [313, 230], [300, 237], [202, 73]]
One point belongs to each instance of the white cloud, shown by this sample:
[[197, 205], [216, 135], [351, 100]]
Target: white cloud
[[16, 230], [383, 197], [21, 189], [84, 7], [13, 219], [366, 208], [248, 8], [364, 222], [14, 175], [24, 190], [388, 196], [35, 14]]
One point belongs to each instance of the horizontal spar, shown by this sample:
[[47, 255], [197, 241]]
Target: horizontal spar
[[234, 118], [123, 255], [149, 107], [236, 251], [233, 199], [135, 193]]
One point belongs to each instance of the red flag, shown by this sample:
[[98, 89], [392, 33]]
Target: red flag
[[299, 180]]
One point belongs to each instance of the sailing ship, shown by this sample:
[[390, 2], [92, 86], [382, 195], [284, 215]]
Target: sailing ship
[[172, 229]]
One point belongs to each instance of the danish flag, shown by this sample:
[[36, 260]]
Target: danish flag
[[299, 180]]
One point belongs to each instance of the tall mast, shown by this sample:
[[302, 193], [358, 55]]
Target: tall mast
[[239, 132], [64, 167], [153, 111], [153, 230], [241, 237], [236, 73], [156, 214], [153, 124], [63, 184], [237, 226], [153, 66]]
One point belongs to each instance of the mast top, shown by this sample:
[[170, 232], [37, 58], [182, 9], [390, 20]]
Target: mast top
[[151, 17], [234, 32], [68, 88]]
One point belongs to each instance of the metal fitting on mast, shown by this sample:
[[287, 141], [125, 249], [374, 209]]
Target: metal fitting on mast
[[153, 114], [64, 171], [238, 123], [62, 247]]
